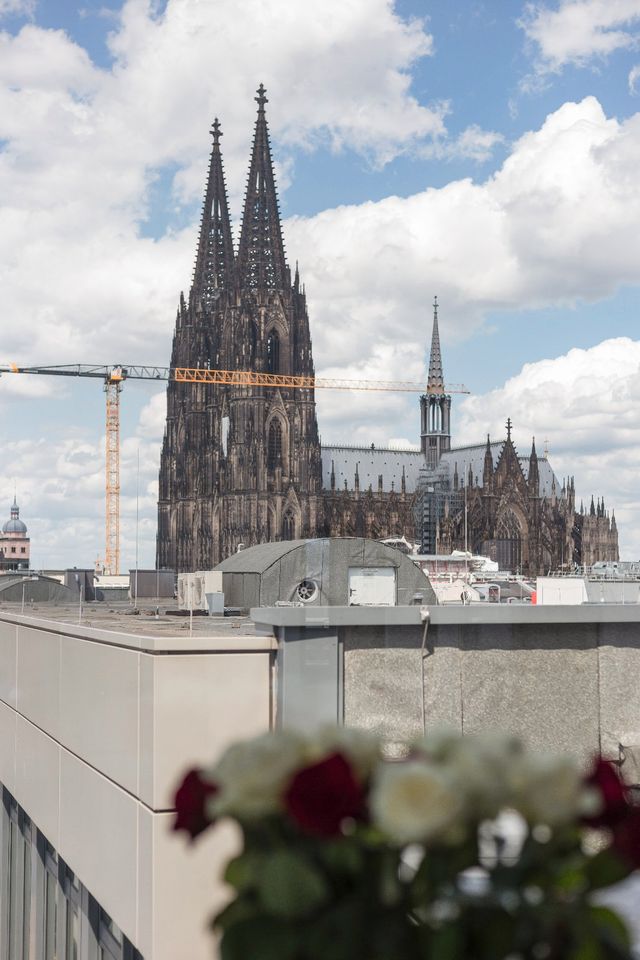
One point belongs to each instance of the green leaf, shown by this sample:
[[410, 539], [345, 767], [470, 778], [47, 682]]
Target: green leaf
[[243, 872], [588, 949], [343, 856], [612, 931], [605, 869], [262, 938], [443, 944], [291, 886], [242, 908], [339, 932]]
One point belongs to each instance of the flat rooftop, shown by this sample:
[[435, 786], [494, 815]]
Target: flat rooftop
[[114, 620]]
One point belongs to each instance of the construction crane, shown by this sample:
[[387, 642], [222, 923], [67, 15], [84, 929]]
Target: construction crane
[[114, 376]]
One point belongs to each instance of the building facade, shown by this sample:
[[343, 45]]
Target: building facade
[[239, 464], [15, 545], [243, 464]]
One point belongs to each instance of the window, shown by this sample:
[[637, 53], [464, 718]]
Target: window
[[288, 526], [23, 549], [273, 352], [45, 911], [274, 447]]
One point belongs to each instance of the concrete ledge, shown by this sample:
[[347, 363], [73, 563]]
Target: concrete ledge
[[336, 616], [147, 642], [513, 613], [480, 613]]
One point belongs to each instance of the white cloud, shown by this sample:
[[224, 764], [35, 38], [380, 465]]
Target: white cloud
[[17, 8], [634, 77], [81, 148], [584, 405], [60, 483], [578, 31], [473, 143], [555, 225]]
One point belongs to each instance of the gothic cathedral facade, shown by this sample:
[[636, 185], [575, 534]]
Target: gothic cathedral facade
[[239, 464], [242, 464]]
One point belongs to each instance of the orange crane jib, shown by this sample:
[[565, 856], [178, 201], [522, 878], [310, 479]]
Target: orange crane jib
[[118, 373], [250, 378]]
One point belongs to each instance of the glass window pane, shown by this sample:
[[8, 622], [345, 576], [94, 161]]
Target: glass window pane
[[73, 933], [26, 896], [50, 918]]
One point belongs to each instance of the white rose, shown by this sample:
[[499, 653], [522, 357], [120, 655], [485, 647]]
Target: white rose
[[478, 764], [360, 747], [546, 788], [414, 801], [252, 775]]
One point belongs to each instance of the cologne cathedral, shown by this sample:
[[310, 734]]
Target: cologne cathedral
[[243, 464]]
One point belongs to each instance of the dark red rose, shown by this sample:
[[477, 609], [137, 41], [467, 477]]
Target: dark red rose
[[604, 778], [626, 838], [320, 797], [190, 804]]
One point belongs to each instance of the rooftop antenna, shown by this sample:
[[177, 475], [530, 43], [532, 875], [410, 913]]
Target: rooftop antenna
[[546, 447]]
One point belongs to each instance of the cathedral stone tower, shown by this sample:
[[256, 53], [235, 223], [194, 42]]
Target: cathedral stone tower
[[240, 464]]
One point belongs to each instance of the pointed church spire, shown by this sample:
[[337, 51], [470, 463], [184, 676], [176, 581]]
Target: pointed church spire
[[534, 472], [435, 383], [487, 470], [261, 259], [214, 258]]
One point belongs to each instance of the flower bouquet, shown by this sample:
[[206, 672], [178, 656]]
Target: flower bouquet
[[469, 847]]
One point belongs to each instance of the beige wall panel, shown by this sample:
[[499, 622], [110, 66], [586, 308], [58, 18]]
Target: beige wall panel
[[38, 678], [191, 875], [99, 839], [8, 663], [38, 777], [146, 728], [7, 747], [201, 704], [99, 707], [146, 882]]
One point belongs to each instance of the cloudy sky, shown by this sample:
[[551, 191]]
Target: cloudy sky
[[486, 152]]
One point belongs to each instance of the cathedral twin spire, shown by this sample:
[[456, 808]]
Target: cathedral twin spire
[[261, 259], [214, 259], [260, 262]]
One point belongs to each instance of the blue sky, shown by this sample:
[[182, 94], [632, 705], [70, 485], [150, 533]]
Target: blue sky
[[485, 152]]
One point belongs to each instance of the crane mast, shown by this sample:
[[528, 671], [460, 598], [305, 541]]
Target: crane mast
[[112, 388]]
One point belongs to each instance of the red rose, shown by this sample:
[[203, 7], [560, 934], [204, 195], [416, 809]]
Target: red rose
[[626, 838], [320, 797], [190, 803], [604, 777]]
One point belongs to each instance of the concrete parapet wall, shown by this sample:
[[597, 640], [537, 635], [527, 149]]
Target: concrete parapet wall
[[96, 728], [562, 678]]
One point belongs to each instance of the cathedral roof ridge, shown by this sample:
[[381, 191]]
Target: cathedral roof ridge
[[370, 448]]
